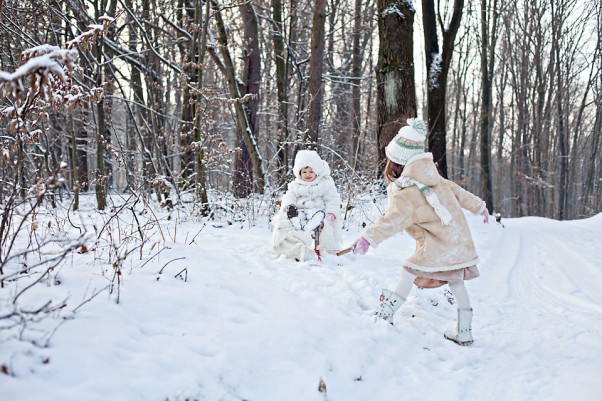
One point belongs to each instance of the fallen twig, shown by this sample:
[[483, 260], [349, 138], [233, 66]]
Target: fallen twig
[[173, 260]]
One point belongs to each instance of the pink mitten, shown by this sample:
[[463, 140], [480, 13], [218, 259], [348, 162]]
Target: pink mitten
[[360, 246], [330, 217], [485, 214]]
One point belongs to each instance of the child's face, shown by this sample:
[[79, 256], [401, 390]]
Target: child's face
[[307, 174]]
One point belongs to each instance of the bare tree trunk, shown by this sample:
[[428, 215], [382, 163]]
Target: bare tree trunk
[[191, 15], [563, 152], [241, 116], [460, 75], [281, 85], [591, 185], [243, 166], [339, 70], [356, 74], [501, 177], [294, 40], [75, 183], [201, 177], [472, 169], [315, 73], [487, 67], [577, 150], [396, 91], [437, 64], [140, 119], [100, 176]]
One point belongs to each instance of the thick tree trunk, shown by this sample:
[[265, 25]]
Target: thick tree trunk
[[243, 170], [396, 91]]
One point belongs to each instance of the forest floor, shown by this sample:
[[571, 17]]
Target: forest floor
[[203, 311]]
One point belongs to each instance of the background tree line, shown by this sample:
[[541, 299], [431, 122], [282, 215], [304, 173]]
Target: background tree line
[[213, 98]]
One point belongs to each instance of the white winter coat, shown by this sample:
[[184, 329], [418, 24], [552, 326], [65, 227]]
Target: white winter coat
[[309, 197]]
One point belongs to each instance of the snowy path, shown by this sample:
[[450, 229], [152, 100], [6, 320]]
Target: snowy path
[[246, 326], [539, 283]]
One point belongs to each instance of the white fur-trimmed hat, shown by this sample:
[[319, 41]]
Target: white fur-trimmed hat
[[310, 158], [408, 142]]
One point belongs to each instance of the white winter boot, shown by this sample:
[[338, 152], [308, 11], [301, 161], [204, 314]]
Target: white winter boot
[[389, 303], [463, 336]]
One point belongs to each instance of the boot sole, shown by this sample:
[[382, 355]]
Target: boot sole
[[462, 343]]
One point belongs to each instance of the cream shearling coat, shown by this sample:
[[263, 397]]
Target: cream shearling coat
[[309, 197], [438, 247]]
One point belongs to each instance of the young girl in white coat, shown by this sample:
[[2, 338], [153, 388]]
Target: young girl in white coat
[[429, 208], [310, 202]]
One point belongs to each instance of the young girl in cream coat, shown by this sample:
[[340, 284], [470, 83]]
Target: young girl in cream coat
[[429, 208], [311, 201]]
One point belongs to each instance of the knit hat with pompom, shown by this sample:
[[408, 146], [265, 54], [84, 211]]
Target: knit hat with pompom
[[408, 142]]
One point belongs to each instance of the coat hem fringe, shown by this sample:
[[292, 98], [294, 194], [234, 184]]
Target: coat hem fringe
[[432, 269]]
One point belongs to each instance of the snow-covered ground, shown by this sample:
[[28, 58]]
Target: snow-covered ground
[[246, 325]]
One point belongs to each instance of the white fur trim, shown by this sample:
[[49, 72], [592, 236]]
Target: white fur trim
[[425, 155], [371, 241], [310, 158], [482, 209], [433, 269]]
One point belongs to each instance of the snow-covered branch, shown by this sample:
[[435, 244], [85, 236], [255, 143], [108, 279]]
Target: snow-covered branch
[[44, 81], [95, 31]]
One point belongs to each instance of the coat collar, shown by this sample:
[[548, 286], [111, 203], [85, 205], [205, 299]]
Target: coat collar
[[422, 168]]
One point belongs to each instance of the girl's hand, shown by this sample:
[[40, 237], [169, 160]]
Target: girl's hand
[[330, 217], [360, 246], [485, 214]]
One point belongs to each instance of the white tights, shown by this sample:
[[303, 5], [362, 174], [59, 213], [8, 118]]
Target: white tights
[[459, 290], [404, 286]]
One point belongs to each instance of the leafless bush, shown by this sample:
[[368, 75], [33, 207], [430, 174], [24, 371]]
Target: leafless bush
[[31, 252]]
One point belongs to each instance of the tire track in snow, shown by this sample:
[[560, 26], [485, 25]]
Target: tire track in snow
[[534, 333], [543, 255], [503, 317], [579, 287]]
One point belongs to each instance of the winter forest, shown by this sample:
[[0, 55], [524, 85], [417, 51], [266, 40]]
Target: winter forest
[[133, 132], [195, 101]]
